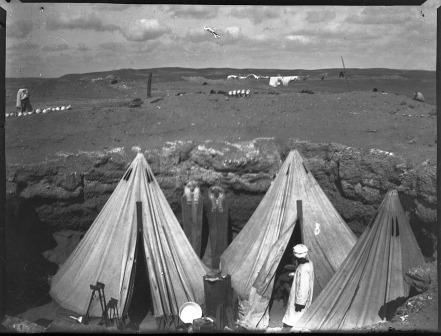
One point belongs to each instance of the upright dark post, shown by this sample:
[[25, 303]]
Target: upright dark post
[[2, 165], [149, 86], [438, 114], [300, 218]]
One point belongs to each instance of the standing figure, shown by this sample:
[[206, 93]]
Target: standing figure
[[300, 296], [23, 101], [192, 207], [217, 223]]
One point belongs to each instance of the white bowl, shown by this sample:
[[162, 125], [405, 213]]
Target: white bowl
[[190, 311]]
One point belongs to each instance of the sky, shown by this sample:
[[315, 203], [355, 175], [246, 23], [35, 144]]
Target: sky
[[51, 40]]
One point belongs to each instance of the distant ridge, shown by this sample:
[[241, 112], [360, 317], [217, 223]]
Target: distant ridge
[[131, 73]]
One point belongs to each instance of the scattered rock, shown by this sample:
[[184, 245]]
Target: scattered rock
[[418, 96], [156, 100], [137, 102], [418, 278], [112, 79], [15, 324]]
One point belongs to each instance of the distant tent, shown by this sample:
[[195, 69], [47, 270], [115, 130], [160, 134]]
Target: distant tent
[[109, 250], [287, 79], [372, 276], [254, 255], [275, 81]]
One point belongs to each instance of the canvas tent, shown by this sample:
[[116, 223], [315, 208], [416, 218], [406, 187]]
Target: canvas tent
[[137, 210], [371, 277], [284, 80], [254, 255]]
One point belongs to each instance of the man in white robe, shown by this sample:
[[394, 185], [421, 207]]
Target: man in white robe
[[300, 296]]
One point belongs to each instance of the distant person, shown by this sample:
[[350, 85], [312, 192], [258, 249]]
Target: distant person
[[23, 101], [300, 296]]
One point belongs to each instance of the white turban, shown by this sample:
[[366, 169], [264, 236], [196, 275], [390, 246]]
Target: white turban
[[300, 251]]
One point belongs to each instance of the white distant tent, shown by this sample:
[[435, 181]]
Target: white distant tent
[[285, 80], [108, 251]]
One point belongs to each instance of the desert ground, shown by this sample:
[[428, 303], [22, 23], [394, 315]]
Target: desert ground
[[345, 111], [370, 108]]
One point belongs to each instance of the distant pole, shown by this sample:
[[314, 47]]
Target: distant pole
[[344, 72], [300, 218], [3, 291], [438, 114], [149, 86]]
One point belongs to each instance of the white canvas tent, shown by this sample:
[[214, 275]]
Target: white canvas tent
[[137, 210], [372, 277], [254, 255]]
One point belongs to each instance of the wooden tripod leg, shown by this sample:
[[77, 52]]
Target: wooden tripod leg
[[86, 318]]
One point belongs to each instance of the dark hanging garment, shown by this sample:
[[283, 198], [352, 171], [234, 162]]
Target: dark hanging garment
[[192, 207], [217, 215]]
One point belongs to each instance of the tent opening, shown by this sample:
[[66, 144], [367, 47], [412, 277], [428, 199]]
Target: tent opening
[[140, 304], [282, 280]]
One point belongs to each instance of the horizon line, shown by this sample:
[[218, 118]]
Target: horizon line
[[207, 68]]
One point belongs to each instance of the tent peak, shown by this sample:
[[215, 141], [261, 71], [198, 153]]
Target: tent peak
[[136, 149], [393, 192]]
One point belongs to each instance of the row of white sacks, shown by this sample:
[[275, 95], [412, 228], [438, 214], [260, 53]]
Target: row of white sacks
[[38, 111], [239, 93]]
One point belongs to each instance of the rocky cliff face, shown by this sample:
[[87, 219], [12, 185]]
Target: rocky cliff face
[[68, 192]]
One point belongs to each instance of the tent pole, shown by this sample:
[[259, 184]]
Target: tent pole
[[3, 292], [438, 109], [300, 218]]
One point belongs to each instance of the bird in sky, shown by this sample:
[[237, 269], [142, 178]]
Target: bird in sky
[[210, 30]]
